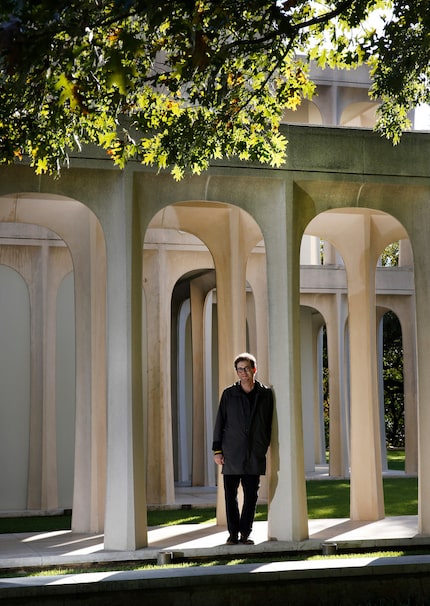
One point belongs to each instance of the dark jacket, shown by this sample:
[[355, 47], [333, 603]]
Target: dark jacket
[[241, 433]]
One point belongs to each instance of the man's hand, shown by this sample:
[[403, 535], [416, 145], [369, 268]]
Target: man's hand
[[219, 459]]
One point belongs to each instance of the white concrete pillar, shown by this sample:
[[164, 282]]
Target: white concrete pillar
[[308, 385], [257, 316], [410, 388], [367, 499], [90, 434], [157, 279], [422, 293], [310, 250], [287, 490], [339, 404], [257, 279], [183, 431], [210, 402], [380, 358], [125, 518], [319, 432], [198, 291]]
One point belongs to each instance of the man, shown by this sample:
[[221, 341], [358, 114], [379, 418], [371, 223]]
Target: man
[[241, 439]]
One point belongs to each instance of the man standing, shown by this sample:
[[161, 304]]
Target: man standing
[[241, 439]]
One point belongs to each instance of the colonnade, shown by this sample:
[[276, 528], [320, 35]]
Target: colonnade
[[125, 279]]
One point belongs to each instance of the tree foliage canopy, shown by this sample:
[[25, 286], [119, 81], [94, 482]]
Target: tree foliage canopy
[[178, 83]]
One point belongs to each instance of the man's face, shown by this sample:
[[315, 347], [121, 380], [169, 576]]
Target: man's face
[[245, 371]]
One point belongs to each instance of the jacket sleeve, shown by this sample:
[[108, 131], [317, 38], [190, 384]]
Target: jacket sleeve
[[269, 417], [219, 427]]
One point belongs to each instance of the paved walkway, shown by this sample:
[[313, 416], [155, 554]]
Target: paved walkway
[[203, 540], [274, 579]]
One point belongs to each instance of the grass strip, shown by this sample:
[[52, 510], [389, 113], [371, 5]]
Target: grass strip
[[326, 499]]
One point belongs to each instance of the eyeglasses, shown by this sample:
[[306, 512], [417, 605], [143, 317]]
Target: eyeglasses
[[244, 369]]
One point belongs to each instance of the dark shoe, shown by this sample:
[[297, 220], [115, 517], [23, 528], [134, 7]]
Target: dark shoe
[[232, 541], [246, 541]]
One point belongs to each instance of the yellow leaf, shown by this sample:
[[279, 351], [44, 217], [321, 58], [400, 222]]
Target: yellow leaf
[[41, 166], [177, 173]]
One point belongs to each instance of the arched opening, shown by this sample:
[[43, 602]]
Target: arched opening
[[393, 385], [58, 249], [357, 238], [210, 304], [397, 350], [194, 386]]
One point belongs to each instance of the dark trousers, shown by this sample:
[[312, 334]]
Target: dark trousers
[[240, 522]]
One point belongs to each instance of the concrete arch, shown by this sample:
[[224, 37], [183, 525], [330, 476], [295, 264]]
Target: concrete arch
[[361, 234], [197, 238], [75, 225]]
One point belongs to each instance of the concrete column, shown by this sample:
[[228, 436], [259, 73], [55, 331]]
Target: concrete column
[[367, 499], [287, 489], [230, 265], [160, 481], [319, 431], [339, 428], [308, 384], [182, 395], [198, 292], [257, 278], [125, 518], [90, 441], [380, 358], [257, 315], [37, 312], [42, 477], [422, 293], [49, 487], [409, 340], [310, 253], [210, 401]]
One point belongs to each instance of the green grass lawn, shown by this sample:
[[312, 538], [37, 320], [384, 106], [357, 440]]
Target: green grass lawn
[[326, 499], [396, 459]]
